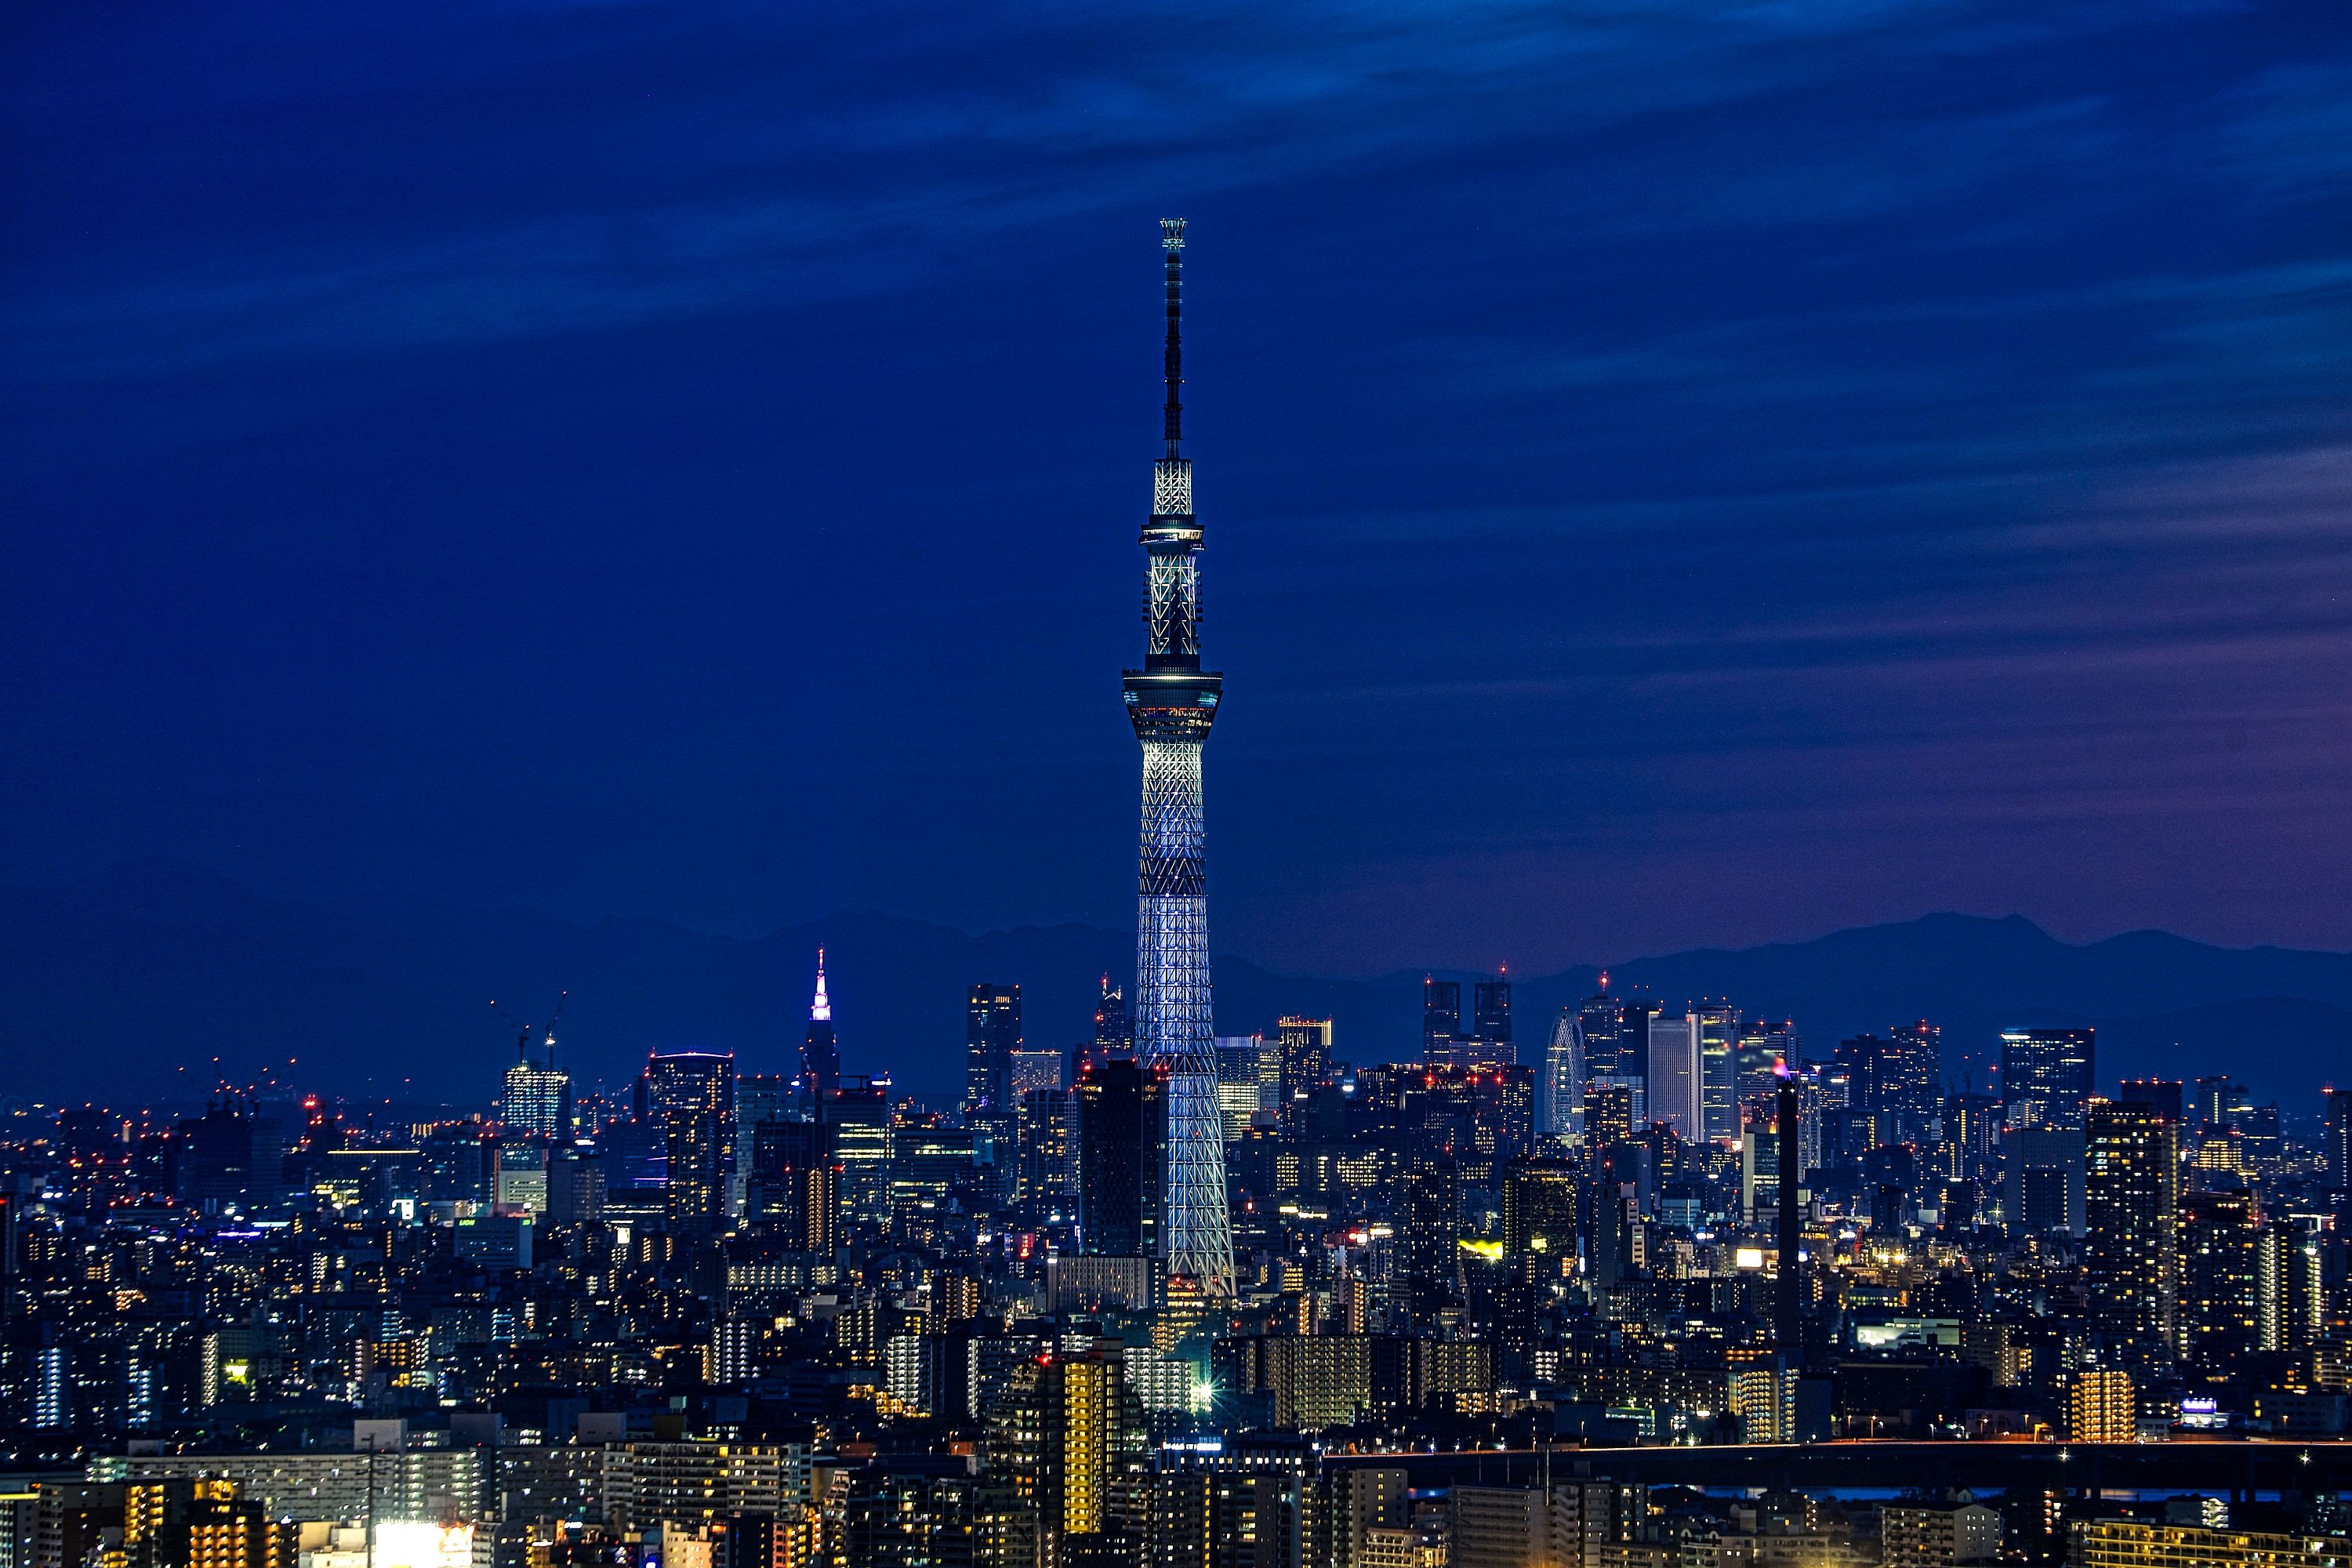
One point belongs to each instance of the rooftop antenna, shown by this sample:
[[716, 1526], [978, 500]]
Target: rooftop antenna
[[1171, 239]]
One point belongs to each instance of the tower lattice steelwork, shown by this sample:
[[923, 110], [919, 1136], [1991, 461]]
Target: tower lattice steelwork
[[1171, 700]]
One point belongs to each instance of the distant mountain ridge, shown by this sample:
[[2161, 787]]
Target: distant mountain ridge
[[114, 983]]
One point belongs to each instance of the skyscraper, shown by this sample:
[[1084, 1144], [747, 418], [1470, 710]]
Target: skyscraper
[[692, 1093], [2160, 1094], [862, 1141], [1441, 1014], [2046, 1076], [1490, 1015], [1718, 1040], [1634, 1018], [1893, 1077], [1172, 702], [1306, 1047], [2339, 1139], [992, 1034], [1486, 1044], [2043, 1181], [1789, 1293], [1430, 1230], [1608, 1113], [1033, 1069], [1675, 1076], [1561, 1113], [1763, 1051], [2214, 1095], [820, 1053], [2219, 1316], [795, 1184], [1048, 1152], [1121, 1106], [2131, 1200], [536, 1101], [1114, 1029], [1071, 1436], [1909, 1073], [1599, 1018], [1539, 1209]]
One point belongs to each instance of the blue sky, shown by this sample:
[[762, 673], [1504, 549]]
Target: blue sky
[[1673, 474]]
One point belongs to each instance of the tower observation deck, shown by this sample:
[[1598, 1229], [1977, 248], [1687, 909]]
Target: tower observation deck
[[1173, 701]]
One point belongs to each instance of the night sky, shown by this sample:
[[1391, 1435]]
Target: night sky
[[1673, 474]]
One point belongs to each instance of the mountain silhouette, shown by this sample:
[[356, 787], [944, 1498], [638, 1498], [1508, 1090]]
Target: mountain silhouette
[[129, 983]]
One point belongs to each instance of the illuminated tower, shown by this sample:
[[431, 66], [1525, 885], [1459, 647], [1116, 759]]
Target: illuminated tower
[[820, 1052], [1171, 700]]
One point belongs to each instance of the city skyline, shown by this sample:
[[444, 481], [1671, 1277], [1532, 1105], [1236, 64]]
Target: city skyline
[[618, 509]]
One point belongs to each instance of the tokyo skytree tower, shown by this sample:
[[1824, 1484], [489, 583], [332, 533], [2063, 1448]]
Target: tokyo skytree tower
[[1171, 700]]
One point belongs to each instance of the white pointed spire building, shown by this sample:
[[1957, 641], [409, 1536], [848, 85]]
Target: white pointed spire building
[[820, 1052]]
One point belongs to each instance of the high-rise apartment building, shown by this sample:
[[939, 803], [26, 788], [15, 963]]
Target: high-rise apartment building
[[2142, 1543], [1070, 1434], [1429, 1230], [1607, 1115], [2131, 1209], [2101, 1406], [2220, 1312], [691, 1095], [794, 1187], [1540, 1201], [1970, 1140], [2289, 1287], [1046, 1135]]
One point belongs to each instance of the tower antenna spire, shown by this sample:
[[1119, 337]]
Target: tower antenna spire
[[1171, 241]]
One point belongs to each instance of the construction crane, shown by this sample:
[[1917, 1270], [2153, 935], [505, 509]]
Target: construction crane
[[560, 998], [523, 1032]]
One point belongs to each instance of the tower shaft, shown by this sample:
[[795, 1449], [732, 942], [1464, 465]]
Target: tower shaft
[[1173, 701]]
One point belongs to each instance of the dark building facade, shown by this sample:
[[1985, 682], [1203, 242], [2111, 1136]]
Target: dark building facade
[[1121, 1112]]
